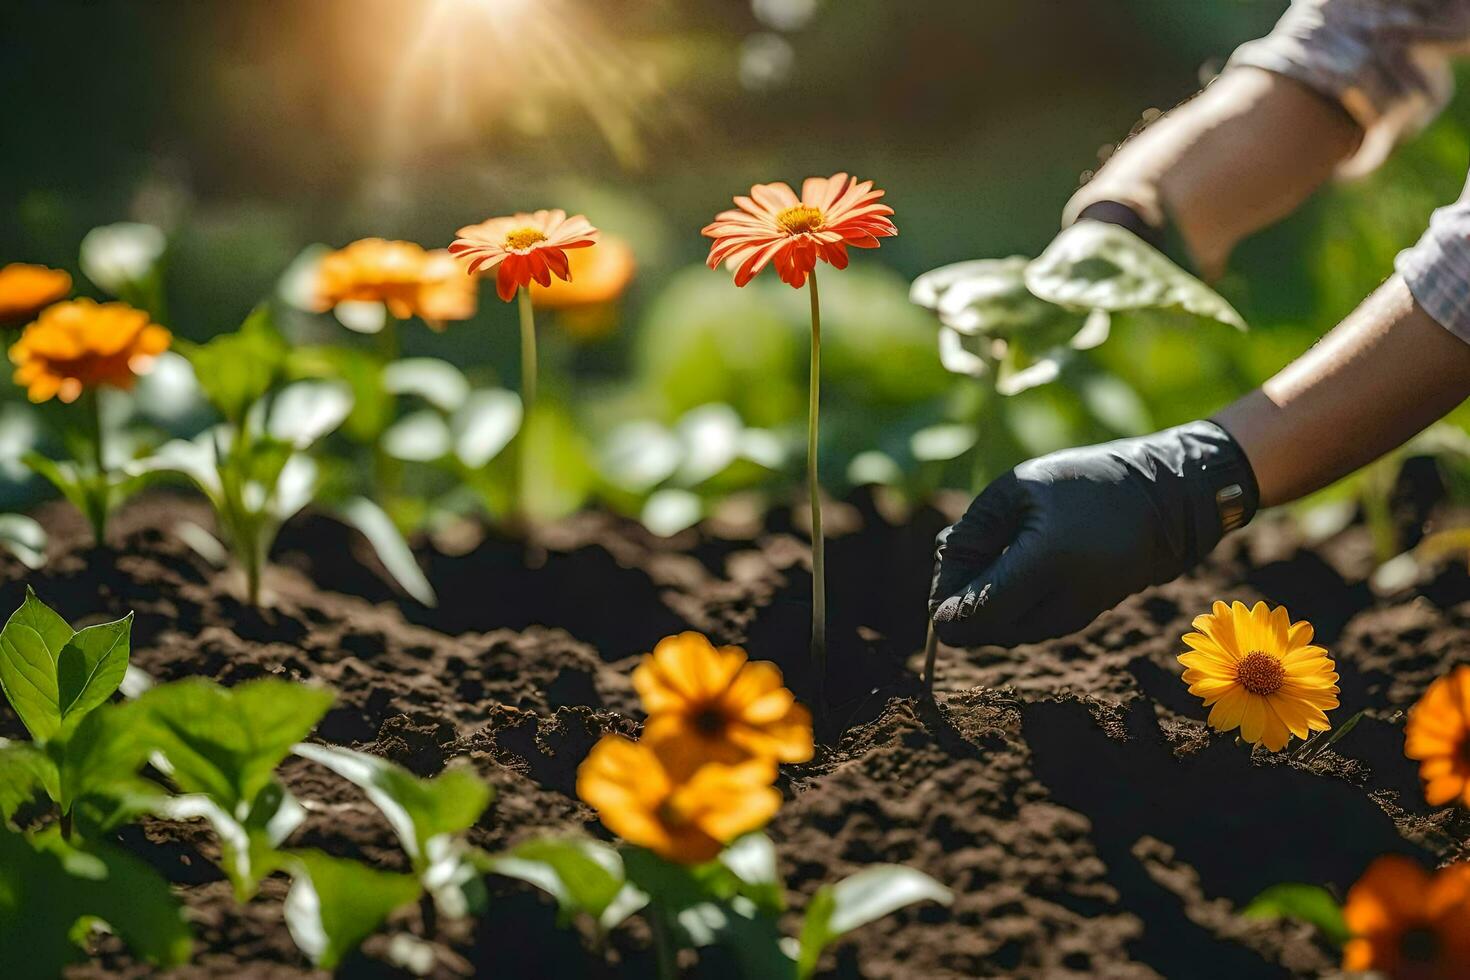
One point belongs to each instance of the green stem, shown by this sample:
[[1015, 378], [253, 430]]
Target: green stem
[[814, 490], [98, 490], [66, 827], [387, 471], [528, 399], [528, 350], [663, 946]]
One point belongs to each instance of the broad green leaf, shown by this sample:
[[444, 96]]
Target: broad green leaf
[[92, 665], [101, 756], [227, 742], [437, 382], [418, 810], [247, 847], [24, 538], [66, 477], [584, 876], [392, 550], [30, 645], [335, 903], [988, 298], [668, 511], [674, 887], [372, 405], [752, 938], [484, 425], [119, 256], [25, 773], [638, 456], [1094, 265], [1309, 903], [858, 899], [305, 411], [419, 437], [711, 440], [752, 858], [937, 443], [237, 369], [50, 885]]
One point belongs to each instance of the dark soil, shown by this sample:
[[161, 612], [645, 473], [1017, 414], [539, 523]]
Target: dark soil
[[1068, 792]]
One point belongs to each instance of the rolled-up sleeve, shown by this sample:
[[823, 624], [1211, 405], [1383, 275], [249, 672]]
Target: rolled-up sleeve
[[1437, 268], [1385, 61]]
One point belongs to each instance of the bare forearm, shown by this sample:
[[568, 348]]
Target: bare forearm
[[1380, 377], [1243, 154]]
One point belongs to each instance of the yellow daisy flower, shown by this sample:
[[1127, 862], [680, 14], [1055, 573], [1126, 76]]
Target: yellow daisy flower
[[1258, 671]]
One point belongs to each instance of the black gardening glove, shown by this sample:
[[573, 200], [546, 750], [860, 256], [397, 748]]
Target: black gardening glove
[[1060, 539]]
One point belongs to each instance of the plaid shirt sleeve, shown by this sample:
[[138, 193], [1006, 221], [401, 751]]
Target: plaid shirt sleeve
[[1385, 61], [1437, 268]]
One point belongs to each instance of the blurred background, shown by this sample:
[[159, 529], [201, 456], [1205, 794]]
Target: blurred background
[[249, 132]]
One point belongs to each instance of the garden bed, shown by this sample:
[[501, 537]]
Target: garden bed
[[1068, 792]]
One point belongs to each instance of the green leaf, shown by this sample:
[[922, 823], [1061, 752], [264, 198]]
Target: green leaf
[[858, 899], [48, 887], [247, 847], [92, 665], [24, 538], [752, 937], [334, 903], [305, 411], [418, 437], [25, 773], [1309, 903], [227, 742], [101, 756], [419, 810], [392, 550], [437, 382], [237, 369], [1093, 265], [674, 887], [752, 858], [30, 645], [584, 876], [555, 462], [484, 425]]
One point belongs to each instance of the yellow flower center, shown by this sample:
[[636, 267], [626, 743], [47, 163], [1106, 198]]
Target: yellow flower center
[[524, 238], [799, 220], [671, 814], [1260, 673]]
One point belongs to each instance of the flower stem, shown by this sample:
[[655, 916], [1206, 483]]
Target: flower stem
[[528, 398], [663, 945], [528, 350], [97, 490], [814, 490]]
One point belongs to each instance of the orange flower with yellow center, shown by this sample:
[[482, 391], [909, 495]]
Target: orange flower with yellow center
[[681, 814], [27, 289], [774, 225], [402, 276], [1438, 735], [1261, 673], [81, 344], [707, 703], [524, 248], [1408, 924]]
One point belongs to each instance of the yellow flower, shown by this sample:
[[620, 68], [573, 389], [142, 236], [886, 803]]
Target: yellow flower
[[81, 344], [712, 704], [25, 290], [683, 815], [1260, 672], [1408, 924], [402, 276], [1438, 735]]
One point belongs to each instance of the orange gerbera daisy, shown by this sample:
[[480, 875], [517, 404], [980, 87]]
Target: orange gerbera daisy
[[774, 225], [1260, 672], [1408, 924], [1438, 735], [402, 276], [81, 344], [713, 704], [523, 248], [648, 799], [27, 289]]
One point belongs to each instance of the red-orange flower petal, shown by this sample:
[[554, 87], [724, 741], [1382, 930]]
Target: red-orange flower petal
[[773, 226], [26, 289], [81, 344], [523, 248]]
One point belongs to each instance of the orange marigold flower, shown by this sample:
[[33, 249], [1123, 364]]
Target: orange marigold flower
[[81, 344], [599, 275], [712, 704], [683, 815], [402, 276], [774, 225], [1438, 735], [27, 289], [523, 248], [1408, 924]]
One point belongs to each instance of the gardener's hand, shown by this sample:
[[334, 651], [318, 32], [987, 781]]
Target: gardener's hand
[[1060, 539]]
